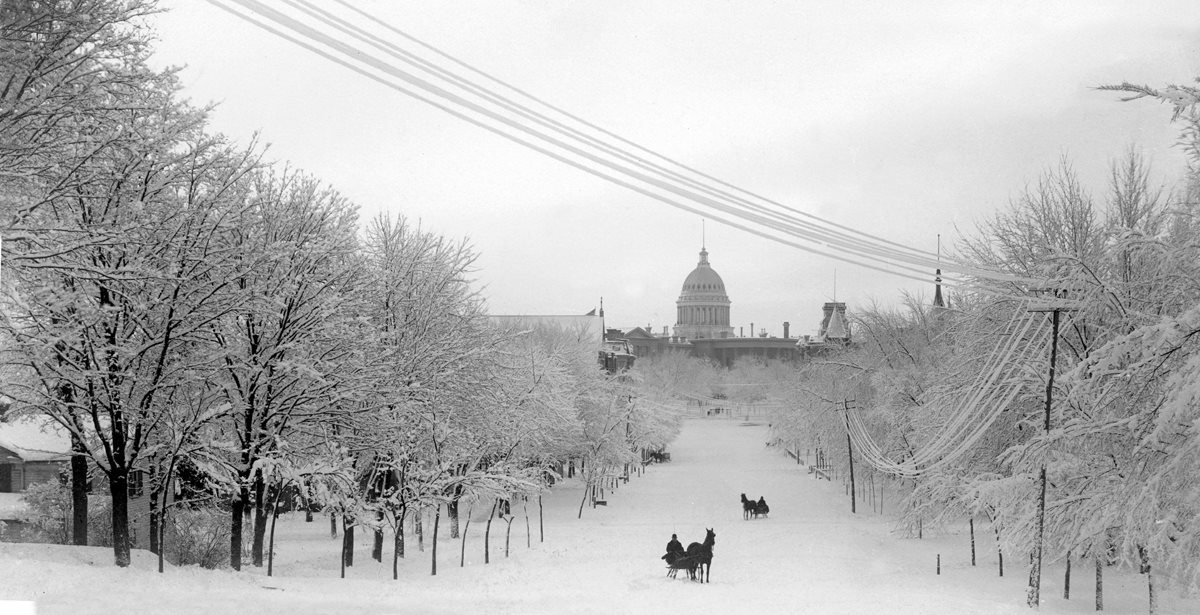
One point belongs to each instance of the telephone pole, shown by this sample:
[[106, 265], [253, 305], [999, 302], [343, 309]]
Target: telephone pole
[[849, 450], [1033, 595]]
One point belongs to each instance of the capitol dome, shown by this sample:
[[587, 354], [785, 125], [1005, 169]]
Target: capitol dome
[[702, 310]]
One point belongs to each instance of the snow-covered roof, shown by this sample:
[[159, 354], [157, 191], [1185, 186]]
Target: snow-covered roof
[[837, 327], [34, 439]]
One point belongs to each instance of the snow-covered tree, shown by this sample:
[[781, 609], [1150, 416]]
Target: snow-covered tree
[[118, 283], [286, 348]]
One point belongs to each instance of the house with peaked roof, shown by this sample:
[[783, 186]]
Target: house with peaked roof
[[32, 450]]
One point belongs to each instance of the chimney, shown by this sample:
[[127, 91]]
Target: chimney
[[751, 329], [785, 329], [741, 332]]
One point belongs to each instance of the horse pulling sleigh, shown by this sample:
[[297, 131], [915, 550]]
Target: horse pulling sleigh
[[698, 555], [754, 510]]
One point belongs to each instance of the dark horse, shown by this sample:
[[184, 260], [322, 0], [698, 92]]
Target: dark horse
[[700, 556], [747, 507], [756, 509]]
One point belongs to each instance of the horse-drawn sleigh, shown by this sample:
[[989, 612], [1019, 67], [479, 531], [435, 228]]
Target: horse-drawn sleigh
[[754, 510], [697, 555]]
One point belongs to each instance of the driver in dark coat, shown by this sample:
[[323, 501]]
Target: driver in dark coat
[[674, 549]]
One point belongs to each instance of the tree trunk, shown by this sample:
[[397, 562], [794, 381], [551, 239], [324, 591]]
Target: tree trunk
[[161, 532], [1099, 583], [118, 484], [348, 539], [271, 540], [152, 477], [462, 554], [507, 533], [999, 551], [419, 530], [397, 547], [1067, 579], [487, 535], [162, 513], [1145, 557], [377, 545], [332, 524], [79, 495], [236, 519], [583, 500], [308, 509], [260, 520], [400, 530], [541, 522], [971, 522], [437, 517], [525, 507], [452, 511]]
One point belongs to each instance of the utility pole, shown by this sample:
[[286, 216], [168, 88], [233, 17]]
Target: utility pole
[[1033, 595], [849, 450]]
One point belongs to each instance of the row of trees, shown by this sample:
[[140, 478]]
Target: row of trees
[[174, 303], [1121, 445]]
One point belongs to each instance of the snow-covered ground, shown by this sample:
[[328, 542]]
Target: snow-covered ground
[[810, 556]]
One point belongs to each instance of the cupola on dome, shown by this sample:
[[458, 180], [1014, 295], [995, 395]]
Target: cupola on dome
[[703, 278]]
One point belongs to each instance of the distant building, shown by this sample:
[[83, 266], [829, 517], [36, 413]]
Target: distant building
[[833, 323], [702, 310], [702, 327], [31, 451]]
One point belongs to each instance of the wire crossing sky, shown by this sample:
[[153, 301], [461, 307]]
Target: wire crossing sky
[[577, 142], [849, 135]]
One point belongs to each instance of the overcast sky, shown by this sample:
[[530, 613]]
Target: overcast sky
[[900, 120]]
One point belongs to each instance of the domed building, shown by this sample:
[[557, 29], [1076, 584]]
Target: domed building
[[702, 310], [702, 329]]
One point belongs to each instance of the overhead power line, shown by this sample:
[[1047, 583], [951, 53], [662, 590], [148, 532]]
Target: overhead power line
[[972, 412], [453, 86]]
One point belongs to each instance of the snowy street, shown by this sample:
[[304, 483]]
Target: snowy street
[[810, 556]]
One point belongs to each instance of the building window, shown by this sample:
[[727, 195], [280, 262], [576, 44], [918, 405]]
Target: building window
[[137, 483]]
